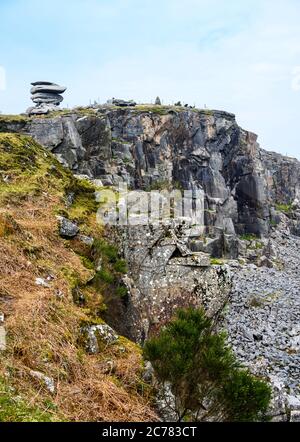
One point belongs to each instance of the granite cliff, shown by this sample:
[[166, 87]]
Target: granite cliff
[[195, 149], [251, 223]]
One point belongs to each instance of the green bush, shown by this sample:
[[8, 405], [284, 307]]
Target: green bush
[[244, 396], [121, 291], [104, 248], [106, 276], [202, 369], [120, 266], [248, 237]]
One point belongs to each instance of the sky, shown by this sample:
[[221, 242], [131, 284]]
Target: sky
[[238, 56]]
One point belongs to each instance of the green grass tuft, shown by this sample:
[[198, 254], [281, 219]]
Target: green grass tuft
[[285, 208], [120, 266], [248, 237], [216, 261], [15, 409]]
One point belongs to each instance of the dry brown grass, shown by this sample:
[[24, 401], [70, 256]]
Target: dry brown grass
[[43, 328], [43, 331]]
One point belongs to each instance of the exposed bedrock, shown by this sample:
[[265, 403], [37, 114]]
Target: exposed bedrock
[[164, 274], [190, 149]]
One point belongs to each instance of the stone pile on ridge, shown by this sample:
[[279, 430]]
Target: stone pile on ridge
[[46, 96]]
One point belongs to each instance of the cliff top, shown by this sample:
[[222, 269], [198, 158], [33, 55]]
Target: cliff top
[[100, 109]]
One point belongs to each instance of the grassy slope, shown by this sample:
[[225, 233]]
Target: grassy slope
[[43, 323]]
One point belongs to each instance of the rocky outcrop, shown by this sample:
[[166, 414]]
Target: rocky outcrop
[[193, 149], [282, 177], [164, 274], [251, 214]]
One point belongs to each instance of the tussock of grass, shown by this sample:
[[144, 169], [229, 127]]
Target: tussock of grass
[[84, 199], [248, 237], [216, 261], [285, 208], [8, 226], [158, 110]]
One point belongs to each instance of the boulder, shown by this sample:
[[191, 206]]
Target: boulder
[[123, 103], [44, 83], [98, 336], [163, 274], [67, 229], [87, 240]]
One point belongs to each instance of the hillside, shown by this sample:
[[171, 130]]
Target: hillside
[[48, 372]]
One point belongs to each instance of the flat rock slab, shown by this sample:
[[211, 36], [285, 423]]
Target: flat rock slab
[[44, 83], [46, 95], [55, 100], [48, 89]]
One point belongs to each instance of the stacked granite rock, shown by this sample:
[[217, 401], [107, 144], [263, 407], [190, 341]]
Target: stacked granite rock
[[46, 96]]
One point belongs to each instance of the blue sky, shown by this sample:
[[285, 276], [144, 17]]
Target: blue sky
[[240, 56]]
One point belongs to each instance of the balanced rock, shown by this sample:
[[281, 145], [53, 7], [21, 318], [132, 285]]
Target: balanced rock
[[46, 96]]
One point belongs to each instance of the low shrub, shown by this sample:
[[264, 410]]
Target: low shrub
[[204, 375]]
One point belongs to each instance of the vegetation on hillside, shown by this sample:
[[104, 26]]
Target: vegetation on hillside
[[43, 323], [203, 373]]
